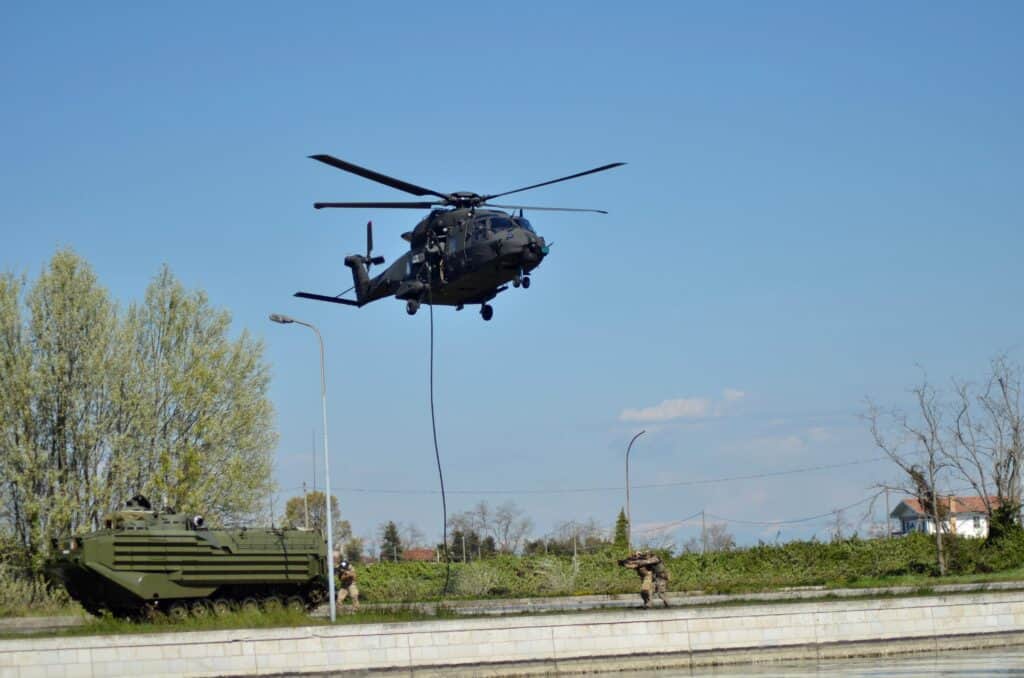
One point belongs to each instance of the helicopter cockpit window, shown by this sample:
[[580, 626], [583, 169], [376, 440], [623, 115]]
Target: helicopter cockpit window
[[501, 223], [523, 222]]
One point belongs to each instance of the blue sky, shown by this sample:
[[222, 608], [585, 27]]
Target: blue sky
[[819, 198]]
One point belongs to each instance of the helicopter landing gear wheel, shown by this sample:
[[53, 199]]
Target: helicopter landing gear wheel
[[526, 282], [517, 281], [412, 306], [486, 312]]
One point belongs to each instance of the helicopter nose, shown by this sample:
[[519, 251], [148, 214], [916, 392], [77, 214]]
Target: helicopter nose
[[535, 251]]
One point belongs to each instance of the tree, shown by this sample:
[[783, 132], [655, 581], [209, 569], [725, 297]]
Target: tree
[[506, 526], [55, 389], [353, 550], [295, 514], [410, 535], [716, 537], [98, 406], [570, 538], [989, 442], [510, 527], [621, 539], [390, 542], [199, 414], [920, 447]]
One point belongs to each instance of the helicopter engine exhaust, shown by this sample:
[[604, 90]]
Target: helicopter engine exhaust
[[360, 278]]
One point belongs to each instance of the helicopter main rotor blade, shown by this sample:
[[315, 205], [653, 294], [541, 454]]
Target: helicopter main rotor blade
[[390, 205], [555, 181], [375, 176], [545, 209]]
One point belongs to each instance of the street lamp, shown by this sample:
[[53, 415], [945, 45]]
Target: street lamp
[[287, 320], [629, 517]]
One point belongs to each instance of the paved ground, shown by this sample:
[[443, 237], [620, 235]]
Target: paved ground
[[574, 603]]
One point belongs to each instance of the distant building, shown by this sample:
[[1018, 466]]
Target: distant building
[[966, 516], [422, 555]]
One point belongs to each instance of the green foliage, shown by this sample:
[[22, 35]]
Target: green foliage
[[390, 542], [1005, 522], [98, 405], [22, 595], [476, 580], [353, 550], [851, 562], [295, 514], [621, 538]]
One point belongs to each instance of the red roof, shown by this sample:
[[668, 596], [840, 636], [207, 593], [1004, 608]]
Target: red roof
[[419, 554], [955, 504]]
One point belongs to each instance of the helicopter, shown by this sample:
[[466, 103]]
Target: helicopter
[[465, 251]]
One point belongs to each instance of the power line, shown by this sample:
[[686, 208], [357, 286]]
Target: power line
[[796, 520], [669, 525], [791, 521], [681, 483]]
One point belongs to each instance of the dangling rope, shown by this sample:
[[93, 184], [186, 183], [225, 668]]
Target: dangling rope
[[437, 453]]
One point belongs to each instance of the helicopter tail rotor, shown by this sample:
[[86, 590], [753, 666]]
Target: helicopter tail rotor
[[370, 259]]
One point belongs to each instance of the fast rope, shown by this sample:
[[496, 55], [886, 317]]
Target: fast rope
[[437, 453]]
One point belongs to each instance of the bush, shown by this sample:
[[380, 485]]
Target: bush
[[475, 580], [798, 563], [22, 594]]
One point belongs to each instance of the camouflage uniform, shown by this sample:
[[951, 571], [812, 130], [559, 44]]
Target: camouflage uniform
[[346, 581], [652, 572]]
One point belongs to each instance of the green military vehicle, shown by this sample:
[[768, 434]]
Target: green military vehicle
[[144, 560]]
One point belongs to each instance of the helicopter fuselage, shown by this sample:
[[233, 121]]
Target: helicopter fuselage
[[456, 257]]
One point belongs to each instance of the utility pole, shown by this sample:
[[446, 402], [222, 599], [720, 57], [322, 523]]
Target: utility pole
[[314, 460], [286, 320], [703, 535], [463, 547], [629, 516], [575, 561], [888, 524], [305, 502]]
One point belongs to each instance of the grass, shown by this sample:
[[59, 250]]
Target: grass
[[241, 619], [919, 580], [283, 618]]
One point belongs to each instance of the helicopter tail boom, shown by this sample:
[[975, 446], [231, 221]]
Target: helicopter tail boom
[[322, 297]]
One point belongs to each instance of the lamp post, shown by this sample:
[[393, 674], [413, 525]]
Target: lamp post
[[629, 517], [286, 320]]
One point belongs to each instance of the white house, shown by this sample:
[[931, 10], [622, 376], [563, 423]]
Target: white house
[[966, 516]]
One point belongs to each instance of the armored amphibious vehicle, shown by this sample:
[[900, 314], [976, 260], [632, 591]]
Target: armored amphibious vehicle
[[144, 560]]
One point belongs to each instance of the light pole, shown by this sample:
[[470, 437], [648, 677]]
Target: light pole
[[286, 320], [629, 517]]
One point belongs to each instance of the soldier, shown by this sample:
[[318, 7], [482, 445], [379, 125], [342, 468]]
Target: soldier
[[651, 571], [346, 579]]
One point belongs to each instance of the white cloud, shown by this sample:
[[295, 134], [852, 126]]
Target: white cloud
[[685, 408], [688, 408], [733, 394], [819, 434]]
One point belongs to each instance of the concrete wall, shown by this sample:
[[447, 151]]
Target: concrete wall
[[610, 640]]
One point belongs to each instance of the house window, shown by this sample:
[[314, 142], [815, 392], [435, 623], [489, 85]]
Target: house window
[[977, 523]]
